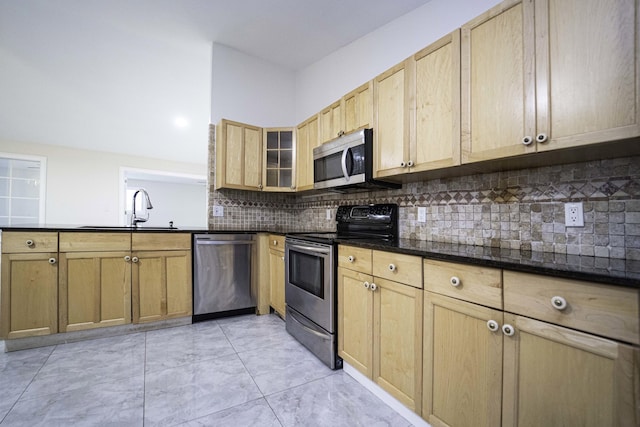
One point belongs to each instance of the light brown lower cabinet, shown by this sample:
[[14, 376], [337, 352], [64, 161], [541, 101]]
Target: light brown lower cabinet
[[29, 299], [161, 285], [95, 290], [462, 363], [488, 367], [380, 333], [276, 273]]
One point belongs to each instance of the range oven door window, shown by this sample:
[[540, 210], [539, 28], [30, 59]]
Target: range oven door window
[[307, 272]]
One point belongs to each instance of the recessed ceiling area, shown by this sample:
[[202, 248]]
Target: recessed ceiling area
[[135, 76]]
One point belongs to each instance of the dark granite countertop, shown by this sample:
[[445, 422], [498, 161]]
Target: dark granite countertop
[[611, 271]]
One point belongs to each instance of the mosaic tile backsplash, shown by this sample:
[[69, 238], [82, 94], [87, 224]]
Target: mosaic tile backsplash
[[521, 209]]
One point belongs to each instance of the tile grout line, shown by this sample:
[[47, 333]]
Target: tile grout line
[[144, 379], [30, 382]]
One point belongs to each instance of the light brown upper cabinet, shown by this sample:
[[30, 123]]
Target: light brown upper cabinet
[[357, 107], [279, 157], [436, 143], [238, 156], [352, 112], [391, 115], [548, 74], [306, 141], [331, 122]]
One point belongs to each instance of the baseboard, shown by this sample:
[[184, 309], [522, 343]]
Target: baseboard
[[112, 331], [374, 388]]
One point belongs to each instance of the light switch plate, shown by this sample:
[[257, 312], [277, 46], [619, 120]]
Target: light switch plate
[[218, 211], [422, 214], [573, 215]]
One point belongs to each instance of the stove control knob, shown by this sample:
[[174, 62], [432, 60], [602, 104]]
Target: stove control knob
[[351, 258]]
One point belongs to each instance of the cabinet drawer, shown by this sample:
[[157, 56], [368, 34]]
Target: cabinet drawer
[[480, 285], [28, 241], [401, 268], [276, 242], [353, 258], [160, 241], [94, 242], [610, 311]]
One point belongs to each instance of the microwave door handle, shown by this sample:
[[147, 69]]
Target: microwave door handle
[[345, 172]]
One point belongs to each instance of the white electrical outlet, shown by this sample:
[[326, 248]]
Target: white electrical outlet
[[422, 214], [573, 215], [218, 211], [329, 214]]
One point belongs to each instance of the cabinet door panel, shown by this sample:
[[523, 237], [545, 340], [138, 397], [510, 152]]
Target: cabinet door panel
[[437, 141], [179, 284], [149, 274], [95, 290], [234, 154], [29, 295], [391, 115], [588, 80], [398, 341], [558, 376], [462, 363], [252, 157], [276, 264], [355, 317], [497, 82]]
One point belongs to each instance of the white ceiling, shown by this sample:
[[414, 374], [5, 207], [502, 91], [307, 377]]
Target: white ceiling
[[113, 75]]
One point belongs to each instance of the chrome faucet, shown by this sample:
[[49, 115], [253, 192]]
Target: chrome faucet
[[135, 219]]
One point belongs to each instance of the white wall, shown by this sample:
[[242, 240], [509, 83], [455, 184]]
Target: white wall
[[83, 186], [327, 80], [184, 204], [250, 90]]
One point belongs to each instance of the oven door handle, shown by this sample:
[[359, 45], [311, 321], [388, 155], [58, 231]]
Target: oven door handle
[[345, 172], [310, 249], [305, 327]]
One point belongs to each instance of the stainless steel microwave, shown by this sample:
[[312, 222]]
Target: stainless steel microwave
[[347, 163]]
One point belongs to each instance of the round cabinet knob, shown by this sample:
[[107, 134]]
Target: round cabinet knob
[[351, 258], [527, 140], [275, 243], [542, 137], [29, 243], [127, 258], [392, 267], [493, 325], [135, 259], [260, 186], [403, 164], [367, 285], [52, 261], [373, 287], [508, 330], [455, 281], [558, 303], [410, 163], [282, 258]]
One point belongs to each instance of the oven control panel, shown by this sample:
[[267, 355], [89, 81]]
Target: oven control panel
[[366, 212]]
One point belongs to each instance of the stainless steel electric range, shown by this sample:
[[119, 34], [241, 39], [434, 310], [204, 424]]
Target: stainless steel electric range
[[310, 274]]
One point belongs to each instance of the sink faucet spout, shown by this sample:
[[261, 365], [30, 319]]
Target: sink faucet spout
[[146, 201]]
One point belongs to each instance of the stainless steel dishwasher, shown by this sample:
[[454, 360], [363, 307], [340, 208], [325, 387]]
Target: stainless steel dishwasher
[[224, 275]]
